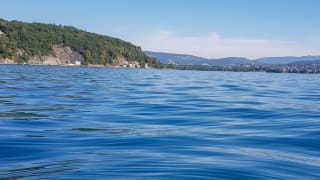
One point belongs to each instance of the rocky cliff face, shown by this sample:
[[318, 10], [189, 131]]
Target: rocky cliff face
[[67, 56], [59, 56], [6, 61]]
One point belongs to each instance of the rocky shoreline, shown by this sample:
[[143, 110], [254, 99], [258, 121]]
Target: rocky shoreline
[[65, 56], [71, 65]]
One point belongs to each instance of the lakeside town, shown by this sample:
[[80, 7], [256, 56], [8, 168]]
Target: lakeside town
[[306, 68]]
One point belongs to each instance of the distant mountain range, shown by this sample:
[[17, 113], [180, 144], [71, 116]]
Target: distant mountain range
[[287, 60], [301, 63], [183, 59]]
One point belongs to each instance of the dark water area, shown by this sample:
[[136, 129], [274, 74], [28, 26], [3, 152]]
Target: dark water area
[[99, 123]]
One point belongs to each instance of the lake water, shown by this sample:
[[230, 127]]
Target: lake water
[[99, 123]]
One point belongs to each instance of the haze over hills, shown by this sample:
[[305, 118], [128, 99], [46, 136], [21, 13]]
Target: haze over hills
[[183, 59], [286, 60], [303, 63], [180, 59]]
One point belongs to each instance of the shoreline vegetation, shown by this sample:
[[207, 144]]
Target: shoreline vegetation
[[302, 69], [287, 68], [57, 45], [271, 69]]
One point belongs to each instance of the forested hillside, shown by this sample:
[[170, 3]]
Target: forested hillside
[[20, 41]]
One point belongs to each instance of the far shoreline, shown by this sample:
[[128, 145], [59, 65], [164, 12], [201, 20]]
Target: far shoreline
[[117, 67]]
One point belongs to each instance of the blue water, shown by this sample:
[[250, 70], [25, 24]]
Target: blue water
[[99, 123]]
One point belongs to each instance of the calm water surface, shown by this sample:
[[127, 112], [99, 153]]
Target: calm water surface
[[94, 123]]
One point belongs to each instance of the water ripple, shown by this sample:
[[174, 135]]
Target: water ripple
[[93, 123]]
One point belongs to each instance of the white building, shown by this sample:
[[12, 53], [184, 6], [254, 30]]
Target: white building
[[78, 63]]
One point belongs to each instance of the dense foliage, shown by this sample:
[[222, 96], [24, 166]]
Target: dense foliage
[[39, 39]]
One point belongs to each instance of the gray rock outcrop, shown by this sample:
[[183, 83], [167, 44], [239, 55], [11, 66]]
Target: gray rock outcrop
[[60, 56]]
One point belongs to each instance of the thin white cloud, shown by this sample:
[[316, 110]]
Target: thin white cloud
[[215, 46]]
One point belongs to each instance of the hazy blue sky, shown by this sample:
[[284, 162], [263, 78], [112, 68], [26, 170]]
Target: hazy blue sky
[[210, 28]]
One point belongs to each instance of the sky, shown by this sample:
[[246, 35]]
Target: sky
[[207, 28]]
